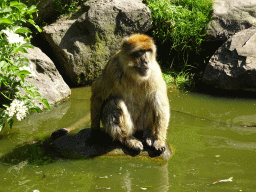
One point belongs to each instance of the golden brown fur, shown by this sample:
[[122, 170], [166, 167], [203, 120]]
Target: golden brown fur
[[130, 95]]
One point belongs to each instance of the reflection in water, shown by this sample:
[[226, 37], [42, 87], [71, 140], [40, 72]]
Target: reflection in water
[[209, 136], [128, 182], [245, 120], [132, 176], [15, 169]]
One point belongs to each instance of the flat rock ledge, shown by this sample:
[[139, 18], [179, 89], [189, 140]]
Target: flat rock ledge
[[84, 145]]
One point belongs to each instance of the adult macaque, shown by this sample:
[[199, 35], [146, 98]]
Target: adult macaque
[[131, 95]]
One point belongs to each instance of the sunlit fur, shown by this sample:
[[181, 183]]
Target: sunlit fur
[[131, 95]]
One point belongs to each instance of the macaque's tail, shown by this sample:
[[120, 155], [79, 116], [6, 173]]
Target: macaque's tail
[[65, 131]]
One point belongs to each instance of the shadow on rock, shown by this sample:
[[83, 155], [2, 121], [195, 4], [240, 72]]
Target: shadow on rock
[[82, 145], [88, 144]]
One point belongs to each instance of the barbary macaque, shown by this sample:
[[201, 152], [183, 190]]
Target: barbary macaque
[[130, 95]]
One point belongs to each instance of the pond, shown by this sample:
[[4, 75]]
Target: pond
[[212, 138]]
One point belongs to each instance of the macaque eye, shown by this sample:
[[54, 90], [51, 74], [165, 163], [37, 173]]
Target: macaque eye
[[138, 54]]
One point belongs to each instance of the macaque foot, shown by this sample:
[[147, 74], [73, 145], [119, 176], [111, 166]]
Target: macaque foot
[[159, 145], [59, 133], [134, 144], [149, 141]]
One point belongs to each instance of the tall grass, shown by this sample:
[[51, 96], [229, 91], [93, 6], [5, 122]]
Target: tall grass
[[181, 22], [179, 29]]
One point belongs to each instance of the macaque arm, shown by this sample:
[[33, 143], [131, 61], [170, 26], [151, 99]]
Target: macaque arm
[[161, 114], [100, 92], [96, 105], [96, 102]]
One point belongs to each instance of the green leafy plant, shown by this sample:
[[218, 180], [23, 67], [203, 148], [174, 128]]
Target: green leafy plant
[[180, 25], [180, 80], [17, 95], [67, 6], [181, 22]]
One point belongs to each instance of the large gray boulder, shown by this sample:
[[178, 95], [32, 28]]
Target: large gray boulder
[[45, 77], [230, 17], [83, 44], [233, 66]]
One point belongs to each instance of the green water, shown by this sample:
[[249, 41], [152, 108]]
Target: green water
[[210, 137]]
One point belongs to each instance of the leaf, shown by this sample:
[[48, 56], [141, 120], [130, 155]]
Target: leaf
[[14, 68], [13, 3], [17, 5], [19, 49], [25, 59], [32, 9], [6, 10], [36, 94], [36, 26], [16, 84], [23, 30], [27, 45], [10, 122], [36, 109], [6, 106], [27, 91], [46, 104], [2, 125], [3, 65], [6, 21], [10, 61], [24, 72], [3, 93], [21, 77]]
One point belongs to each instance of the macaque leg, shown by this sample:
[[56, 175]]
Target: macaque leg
[[160, 137], [118, 124], [153, 140], [155, 137]]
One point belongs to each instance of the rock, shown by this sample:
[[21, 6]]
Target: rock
[[84, 145], [233, 66], [82, 45], [46, 77], [230, 17], [46, 10]]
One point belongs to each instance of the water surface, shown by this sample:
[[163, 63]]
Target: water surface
[[212, 138]]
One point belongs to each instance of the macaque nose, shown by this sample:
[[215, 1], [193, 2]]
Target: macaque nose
[[143, 69]]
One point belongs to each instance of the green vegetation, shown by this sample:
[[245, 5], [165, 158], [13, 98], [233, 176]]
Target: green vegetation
[[62, 7], [180, 25], [65, 7], [181, 80], [16, 94]]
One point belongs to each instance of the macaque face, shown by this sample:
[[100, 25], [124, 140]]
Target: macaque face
[[141, 62]]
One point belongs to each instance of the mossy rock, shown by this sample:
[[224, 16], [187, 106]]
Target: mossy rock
[[81, 46]]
